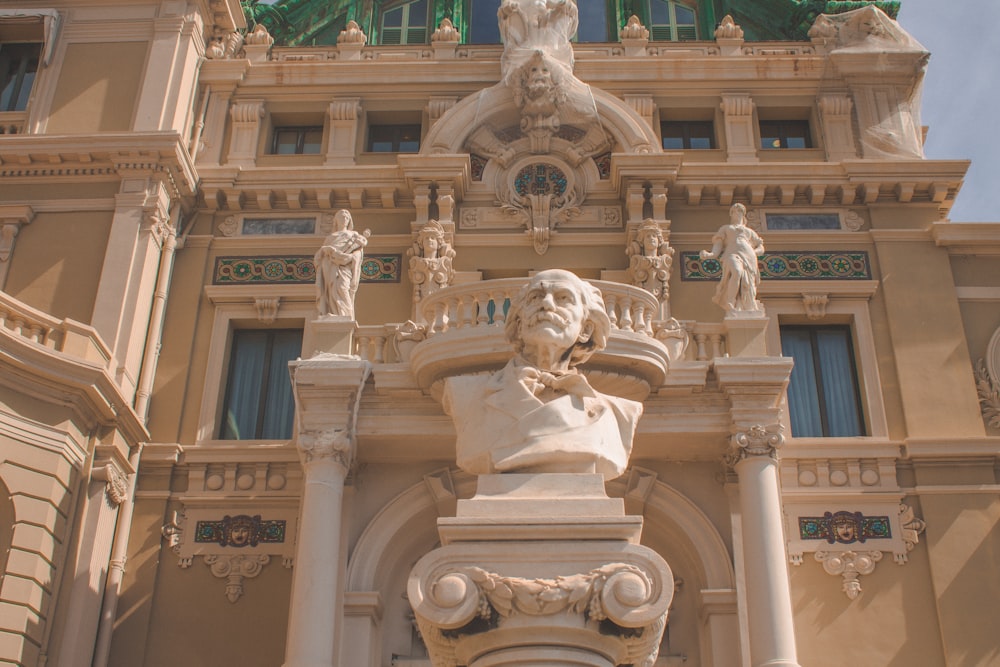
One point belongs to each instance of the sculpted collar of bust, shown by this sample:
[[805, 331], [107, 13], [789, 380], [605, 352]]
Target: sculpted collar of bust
[[557, 322]]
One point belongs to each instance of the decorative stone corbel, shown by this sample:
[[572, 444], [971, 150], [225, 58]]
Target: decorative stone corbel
[[850, 565], [116, 482], [267, 309], [172, 531], [12, 218], [815, 304], [344, 114], [739, 124], [911, 529], [235, 569], [246, 117]]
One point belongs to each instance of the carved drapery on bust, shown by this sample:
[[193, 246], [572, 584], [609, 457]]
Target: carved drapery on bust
[[539, 413], [338, 267], [737, 248]]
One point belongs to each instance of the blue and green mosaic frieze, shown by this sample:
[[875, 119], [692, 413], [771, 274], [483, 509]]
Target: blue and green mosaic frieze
[[789, 265], [241, 530], [844, 527], [296, 270]]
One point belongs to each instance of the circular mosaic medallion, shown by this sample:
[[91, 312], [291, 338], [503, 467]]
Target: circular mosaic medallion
[[808, 266], [777, 266], [274, 269], [540, 179], [840, 265]]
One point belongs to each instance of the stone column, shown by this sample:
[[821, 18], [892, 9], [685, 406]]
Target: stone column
[[327, 391], [755, 386]]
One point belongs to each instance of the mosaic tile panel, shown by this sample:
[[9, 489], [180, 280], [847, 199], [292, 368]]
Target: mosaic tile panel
[[789, 265], [603, 163], [844, 527], [540, 179], [298, 270], [239, 531], [478, 165]]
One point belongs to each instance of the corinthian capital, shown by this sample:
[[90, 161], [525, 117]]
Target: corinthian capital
[[758, 440]]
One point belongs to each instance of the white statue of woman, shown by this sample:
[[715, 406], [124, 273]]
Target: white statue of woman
[[338, 267], [737, 248]]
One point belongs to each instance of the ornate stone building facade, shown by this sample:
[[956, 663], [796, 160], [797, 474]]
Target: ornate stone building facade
[[201, 465]]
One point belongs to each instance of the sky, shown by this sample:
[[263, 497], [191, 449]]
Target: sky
[[961, 94]]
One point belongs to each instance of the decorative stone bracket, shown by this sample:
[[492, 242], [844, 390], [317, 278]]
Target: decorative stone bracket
[[850, 543], [12, 218]]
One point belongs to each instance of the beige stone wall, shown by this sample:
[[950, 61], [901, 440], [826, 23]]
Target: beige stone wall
[[87, 98], [57, 263]]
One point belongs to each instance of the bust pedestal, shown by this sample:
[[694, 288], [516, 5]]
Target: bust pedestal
[[541, 569], [332, 334]]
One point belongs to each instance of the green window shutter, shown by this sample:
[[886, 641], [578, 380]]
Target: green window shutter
[[660, 33], [392, 35], [416, 36]]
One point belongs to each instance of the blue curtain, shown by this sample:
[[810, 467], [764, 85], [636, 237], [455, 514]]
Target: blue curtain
[[803, 395], [823, 391], [246, 368], [839, 382], [259, 403]]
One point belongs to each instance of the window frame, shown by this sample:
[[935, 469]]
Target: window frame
[[405, 27], [686, 136], [235, 308], [783, 125], [848, 303], [13, 105], [813, 332], [655, 28], [271, 339], [301, 132], [398, 129]]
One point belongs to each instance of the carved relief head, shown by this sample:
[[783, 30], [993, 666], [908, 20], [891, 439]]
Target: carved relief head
[[342, 220]]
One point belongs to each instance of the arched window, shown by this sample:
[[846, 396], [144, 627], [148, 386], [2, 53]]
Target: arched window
[[672, 21], [406, 23]]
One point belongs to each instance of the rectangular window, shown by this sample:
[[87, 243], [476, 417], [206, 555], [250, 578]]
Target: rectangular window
[[405, 24], [258, 404], [393, 138], [18, 66], [823, 396], [297, 140], [671, 20], [785, 221], [681, 135], [785, 134]]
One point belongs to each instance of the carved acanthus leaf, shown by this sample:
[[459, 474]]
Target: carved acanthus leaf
[[758, 440], [989, 395]]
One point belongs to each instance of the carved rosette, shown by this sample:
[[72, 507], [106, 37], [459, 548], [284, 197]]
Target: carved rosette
[[756, 441], [626, 603]]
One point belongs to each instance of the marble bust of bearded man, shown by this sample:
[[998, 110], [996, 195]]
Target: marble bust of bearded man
[[539, 414]]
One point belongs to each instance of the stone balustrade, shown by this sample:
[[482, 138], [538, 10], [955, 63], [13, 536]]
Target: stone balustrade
[[66, 335], [485, 304]]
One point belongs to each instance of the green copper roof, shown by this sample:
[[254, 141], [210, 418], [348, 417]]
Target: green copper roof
[[318, 22]]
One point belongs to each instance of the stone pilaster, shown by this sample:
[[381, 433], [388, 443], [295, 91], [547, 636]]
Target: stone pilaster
[[327, 391]]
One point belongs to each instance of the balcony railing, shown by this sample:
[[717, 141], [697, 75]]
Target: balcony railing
[[66, 336]]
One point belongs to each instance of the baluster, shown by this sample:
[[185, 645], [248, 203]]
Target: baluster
[[611, 306], [18, 326], [35, 333], [440, 318], [363, 343], [380, 349], [640, 317], [3, 317], [482, 305], [716, 345], [453, 304], [699, 339], [626, 323], [468, 315], [499, 316]]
